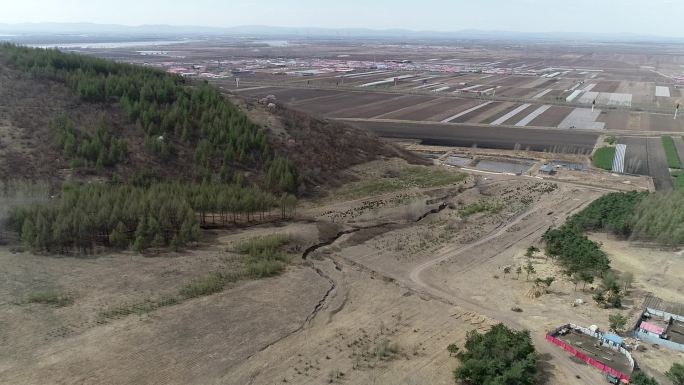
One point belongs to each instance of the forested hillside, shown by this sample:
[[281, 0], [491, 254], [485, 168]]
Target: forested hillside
[[171, 116], [151, 156]]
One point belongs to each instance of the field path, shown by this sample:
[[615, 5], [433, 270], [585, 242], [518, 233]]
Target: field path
[[575, 374]]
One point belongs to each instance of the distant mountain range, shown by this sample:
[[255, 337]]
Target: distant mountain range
[[293, 32]]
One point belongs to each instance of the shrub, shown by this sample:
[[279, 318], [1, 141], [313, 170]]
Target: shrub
[[499, 356], [617, 321], [639, 378], [50, 297], [676, 374], [479, 207], [264, 268], [259, 245], [212, 283], [264, 257], [139, 308]]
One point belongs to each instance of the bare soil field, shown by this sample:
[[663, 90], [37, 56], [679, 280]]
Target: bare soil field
[[297, 95], [517, 92], [551, 117], [615, 119], [513, 81], [492, 117], [553, 95], [382, 107], [457, 106], [399, 114], [657, 164], [522, 114], [424, 111], [483, 113], [256, 91], [606, 86], [645, 156], [662, 122], [377, 107], [538, 83], [636, 155], [329, 106], [562, 84], [374, 332]]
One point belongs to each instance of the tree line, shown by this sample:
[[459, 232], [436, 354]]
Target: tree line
[[581, 256], [168, 110], [612, 213], [162, 215], [660, 217], [233, 203], [86, 216], [657, 216]]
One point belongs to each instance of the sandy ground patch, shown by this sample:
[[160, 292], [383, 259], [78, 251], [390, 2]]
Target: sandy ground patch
[[658, 271], [345, 344]]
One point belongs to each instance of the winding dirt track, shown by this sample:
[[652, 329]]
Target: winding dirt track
[[573, 371]]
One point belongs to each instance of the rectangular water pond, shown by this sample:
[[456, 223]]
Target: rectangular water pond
[[568, 165], [459, 161], [512, 167]]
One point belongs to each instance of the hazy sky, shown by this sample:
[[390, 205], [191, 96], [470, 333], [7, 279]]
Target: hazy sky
[[656, 17]]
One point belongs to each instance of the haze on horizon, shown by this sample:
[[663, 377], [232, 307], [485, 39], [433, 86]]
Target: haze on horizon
[[653, 17]]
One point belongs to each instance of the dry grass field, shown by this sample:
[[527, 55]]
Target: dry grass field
[[405, 264]]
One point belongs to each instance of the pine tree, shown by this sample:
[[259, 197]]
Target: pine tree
[[158, 241], [118, 237], [139, 245], [28, 233], [529, 269]]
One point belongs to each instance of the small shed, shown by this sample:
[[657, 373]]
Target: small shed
[[547, 169], [613, 339]]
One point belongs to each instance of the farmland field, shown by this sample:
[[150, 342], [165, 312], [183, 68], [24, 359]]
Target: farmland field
[[678, 179], [603, 158], [673, 160]]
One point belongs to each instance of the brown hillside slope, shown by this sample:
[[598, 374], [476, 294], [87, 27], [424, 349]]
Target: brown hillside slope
[[321, 149]]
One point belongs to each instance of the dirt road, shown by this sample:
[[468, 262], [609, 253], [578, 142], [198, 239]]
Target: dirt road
[[575, 374]]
